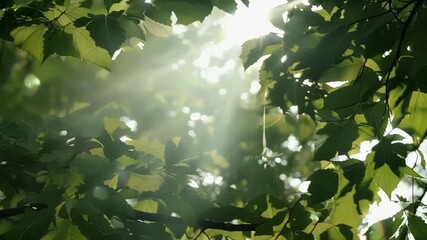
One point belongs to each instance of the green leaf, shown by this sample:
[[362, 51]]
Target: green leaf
[[109, 202], [414, 120], [419, 37], [306, 127], [374, 115], [254, 49], [339, 141], [383, 176], [230, 235], [384, 164], [87, 49], [59, 42], [113, 124], [31, 39], [229, 6], [6, 3], [417, 226], [323, 185], [187, 11], [389, 227], [382, 40], [299, 218], [151, 147], [182, 208], [93, 168], [30, 225], [106, 30], [64, 230], [348, 70], [340, 231], [144, 183]]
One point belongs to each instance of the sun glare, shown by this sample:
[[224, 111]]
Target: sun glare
[[251, 22]]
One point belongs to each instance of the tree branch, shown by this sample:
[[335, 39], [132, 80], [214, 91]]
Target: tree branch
[[203, 223], [146, 216]]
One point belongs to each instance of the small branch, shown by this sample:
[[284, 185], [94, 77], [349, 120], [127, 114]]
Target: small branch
[[204, 223], [6, 213], [369, 18]]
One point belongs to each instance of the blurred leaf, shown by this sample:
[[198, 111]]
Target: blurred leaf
[[144, 183], [148, 146], [6, 3], [386, 228], [232, 235], [148, 230], [32, 224], [65, 230], [93, 168], [109, 202], [306, 127], [229, 6], [182, 208]]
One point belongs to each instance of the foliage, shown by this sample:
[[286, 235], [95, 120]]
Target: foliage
[[344, 73]]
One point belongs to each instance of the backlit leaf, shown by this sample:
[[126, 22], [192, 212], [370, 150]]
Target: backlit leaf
[[59, 42], [416, 114], [144, 183], [254, 49], [31, 38], [87, 49], [107, 30]]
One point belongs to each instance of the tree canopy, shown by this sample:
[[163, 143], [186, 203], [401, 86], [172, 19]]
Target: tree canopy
[[107, 132]]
